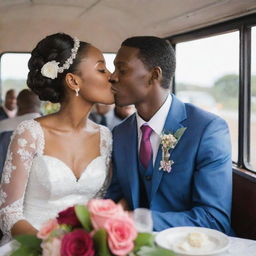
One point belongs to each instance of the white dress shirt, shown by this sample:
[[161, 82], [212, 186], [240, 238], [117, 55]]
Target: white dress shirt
[[157, 124], [10, 113]]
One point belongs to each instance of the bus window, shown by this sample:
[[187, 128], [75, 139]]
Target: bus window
[[252, 160], [109, 58], [14, 71], [207, 75]]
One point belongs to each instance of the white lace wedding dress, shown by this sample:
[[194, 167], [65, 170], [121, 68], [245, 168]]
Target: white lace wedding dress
[[35, 187]]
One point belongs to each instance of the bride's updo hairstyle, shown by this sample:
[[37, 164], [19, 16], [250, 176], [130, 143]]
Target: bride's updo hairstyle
[[54, 57]]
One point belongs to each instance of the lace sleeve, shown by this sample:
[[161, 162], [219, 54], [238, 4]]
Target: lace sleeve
[[106, 150], [15, 175]]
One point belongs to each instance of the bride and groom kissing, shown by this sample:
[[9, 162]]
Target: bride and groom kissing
[[170, 157]]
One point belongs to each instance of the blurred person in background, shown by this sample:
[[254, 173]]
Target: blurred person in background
[[101, 113], [111, 116], [124, 111], [9, 108], [28, 107]]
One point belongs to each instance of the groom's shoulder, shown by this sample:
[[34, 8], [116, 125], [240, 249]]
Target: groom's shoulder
[[128, 123]]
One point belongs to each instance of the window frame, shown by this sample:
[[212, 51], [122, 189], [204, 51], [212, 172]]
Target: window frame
[[16, 52], [1, 55], [243, 26]]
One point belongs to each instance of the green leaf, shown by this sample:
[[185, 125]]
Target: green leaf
[[25, 251], [83, 216], [100, 242], [179, 132], [143, 239], [154, 251], [65, 227], [29, 241]]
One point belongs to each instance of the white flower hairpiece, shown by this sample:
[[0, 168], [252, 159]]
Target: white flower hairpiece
[[51, 68]]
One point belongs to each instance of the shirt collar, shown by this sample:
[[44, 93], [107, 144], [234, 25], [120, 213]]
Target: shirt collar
[[10, 113], [158, 119]]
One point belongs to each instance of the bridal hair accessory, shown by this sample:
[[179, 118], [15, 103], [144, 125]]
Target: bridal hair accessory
[[51, 68], [77, 91], [169, 141]]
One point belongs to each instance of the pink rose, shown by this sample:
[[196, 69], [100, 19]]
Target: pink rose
[[121, 234], [68, 217], [101, 210], [77, 243], [51, 248], [47, 228]]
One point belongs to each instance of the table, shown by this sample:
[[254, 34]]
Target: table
[[238, 247]]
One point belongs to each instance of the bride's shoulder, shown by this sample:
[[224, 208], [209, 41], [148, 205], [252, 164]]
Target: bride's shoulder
[[106, 140], [28, 129], [27, 125], [104, 130]]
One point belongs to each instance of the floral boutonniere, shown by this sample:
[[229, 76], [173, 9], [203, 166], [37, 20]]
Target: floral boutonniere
[[168, 141]]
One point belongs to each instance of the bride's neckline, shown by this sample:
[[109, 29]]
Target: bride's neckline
[[70, 171], [61, 161]]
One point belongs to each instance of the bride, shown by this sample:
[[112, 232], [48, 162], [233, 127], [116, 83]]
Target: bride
[[61, 159]]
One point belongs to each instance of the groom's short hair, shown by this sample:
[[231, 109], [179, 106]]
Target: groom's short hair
[[153, 52]]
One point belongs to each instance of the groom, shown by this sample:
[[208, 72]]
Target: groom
[[186, 181]]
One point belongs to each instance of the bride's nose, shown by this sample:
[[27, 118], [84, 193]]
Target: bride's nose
[[113, 78]]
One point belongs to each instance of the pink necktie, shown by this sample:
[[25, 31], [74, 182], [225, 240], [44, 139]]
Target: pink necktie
[[145, 145]]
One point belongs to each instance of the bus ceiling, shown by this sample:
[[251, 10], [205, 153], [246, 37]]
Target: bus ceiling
[[105, 23]]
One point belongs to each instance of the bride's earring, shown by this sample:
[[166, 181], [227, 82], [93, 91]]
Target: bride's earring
[[77, 91]]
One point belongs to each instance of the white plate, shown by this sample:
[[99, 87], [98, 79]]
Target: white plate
[[173, 237]]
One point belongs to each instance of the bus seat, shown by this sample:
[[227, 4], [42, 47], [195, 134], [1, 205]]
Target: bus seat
[[5, 138], [243, 216]]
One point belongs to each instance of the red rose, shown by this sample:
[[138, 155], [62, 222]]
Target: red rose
[[68, 217], [77, 243]]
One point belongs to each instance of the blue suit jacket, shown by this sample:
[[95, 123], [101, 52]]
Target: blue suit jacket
[[198, 190], [5, 138], [3, 114]]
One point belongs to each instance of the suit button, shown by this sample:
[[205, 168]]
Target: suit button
[[148, 178]]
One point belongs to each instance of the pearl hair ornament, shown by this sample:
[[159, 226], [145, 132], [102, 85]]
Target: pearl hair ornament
[[51, 68]]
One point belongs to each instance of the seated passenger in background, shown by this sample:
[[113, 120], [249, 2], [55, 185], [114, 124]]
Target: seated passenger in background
[[123, 112], [101, 113], [8, 110], [5, 138], [109, 116], [28, 105]]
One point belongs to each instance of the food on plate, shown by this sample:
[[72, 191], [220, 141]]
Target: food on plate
[[194, 240]]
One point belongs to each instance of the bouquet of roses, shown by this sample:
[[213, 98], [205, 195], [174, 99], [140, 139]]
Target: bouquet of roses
[[100, 228]]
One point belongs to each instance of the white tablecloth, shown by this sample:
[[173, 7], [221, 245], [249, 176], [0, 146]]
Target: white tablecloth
[[238, 247]]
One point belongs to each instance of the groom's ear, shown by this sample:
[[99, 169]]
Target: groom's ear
[[156, 75]]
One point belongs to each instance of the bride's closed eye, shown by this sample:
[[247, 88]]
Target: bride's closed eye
[[102, 70]]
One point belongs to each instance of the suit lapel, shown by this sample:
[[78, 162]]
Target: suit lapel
[[131, 148], [176, 114]]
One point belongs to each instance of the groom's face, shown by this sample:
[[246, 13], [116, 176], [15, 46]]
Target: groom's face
[[130, 79]]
